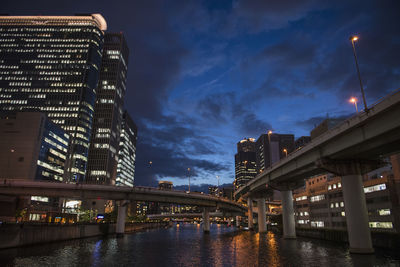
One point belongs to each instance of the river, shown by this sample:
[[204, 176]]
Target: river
[[187, 245]]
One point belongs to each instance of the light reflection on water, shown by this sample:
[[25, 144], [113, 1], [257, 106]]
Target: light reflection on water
[[186, 245]]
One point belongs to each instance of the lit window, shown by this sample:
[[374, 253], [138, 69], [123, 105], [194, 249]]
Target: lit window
[[374, 188]]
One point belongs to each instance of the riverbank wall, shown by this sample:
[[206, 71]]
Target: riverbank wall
[[385, 240], [24, 234]]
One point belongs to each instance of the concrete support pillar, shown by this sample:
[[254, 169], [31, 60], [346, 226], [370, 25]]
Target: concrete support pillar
[[250, 213], [289, 227], [206, 220], [262, 220], [356, 214], [354, 199], [121, 218], [238, 221]]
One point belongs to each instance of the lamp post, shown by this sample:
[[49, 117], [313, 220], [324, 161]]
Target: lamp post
[[269, 148], [354, 39], [354, 100], [285, 151], [218, 185], [189, 178]]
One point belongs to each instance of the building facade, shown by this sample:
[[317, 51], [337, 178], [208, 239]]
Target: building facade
[[32, 148], [51, 64], [245, 162], [302, 141], [271, 148], [127, 152], [320, 203], [108, 111]]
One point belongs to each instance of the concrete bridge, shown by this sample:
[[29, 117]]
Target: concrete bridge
[[349, 150], [121, 194]]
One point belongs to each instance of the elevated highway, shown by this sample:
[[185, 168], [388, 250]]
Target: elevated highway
[[123, 195], [349, 150], [137, 193]]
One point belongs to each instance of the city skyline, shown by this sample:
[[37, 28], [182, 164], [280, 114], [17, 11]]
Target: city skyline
[[190, 79]]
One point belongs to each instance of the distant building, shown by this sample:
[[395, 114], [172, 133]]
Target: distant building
[[31, 148], [108, 111], [165, 185], [271, 148], [227, 192], [302, 141], [214, 190], [324, 126], [127, 152], [245, 162], [50, 64], [320, 203]]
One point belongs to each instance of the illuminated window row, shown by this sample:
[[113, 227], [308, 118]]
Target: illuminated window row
[[50, 167], [301, 198], [337, 204], [317, 198]]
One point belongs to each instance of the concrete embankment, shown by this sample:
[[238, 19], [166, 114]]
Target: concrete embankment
[[23, 234], [379, 239]]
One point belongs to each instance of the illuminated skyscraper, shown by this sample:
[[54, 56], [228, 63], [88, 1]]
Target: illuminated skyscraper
[[245, 162], [106, 132], [51, 64], [127, 152], [271, 148]]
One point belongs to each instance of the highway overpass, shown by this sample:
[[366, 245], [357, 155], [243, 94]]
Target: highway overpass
[[349, 150]]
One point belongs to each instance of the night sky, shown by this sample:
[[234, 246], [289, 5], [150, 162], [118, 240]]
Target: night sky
[[205, 74]]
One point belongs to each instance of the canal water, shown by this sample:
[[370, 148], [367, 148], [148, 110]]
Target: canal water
[[186, 245]]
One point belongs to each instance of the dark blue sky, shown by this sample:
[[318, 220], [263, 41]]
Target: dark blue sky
[[205, 74]]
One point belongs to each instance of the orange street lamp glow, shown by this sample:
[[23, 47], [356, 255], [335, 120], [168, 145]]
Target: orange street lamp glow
[[353, 39], [285, 150], [354, 100], [269, 132]]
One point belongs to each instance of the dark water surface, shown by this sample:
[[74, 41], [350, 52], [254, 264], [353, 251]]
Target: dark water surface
[[186, 245]]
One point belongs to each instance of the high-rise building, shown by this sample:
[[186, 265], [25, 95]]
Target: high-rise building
[[31, 148], [108, 111], [51, 64], [271, 148], [302, 141], [245, 162], [127, 152]]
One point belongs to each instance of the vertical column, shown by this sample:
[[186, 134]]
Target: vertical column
[[289, 230], [238, 221], [121, 218], [206, 220], [262, 224], [250, 213], [356, 214]]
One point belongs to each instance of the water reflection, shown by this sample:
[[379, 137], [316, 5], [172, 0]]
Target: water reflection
[[186, 245]]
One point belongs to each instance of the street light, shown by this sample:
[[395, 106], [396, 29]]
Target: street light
[[353, 39], [269, 148], [218, 180], [189, 178], [285, 151], [354, 100]]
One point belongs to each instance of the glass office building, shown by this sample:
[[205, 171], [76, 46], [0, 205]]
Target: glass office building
[[127, 152], [31, 147], [51, 64], [104, 146]]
